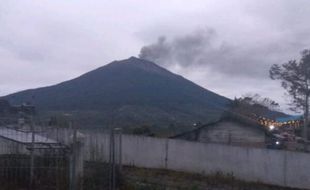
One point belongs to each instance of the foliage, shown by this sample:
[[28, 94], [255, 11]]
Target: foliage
[[158, 179], [250, 104], [59, 121], [256, 100], [4, 106], [143, 130], [295, 79]]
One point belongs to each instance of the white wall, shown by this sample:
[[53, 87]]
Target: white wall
[[276, 167]]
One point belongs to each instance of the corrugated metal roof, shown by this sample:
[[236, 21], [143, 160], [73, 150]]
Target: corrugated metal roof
[[24, 137], [290, 118]]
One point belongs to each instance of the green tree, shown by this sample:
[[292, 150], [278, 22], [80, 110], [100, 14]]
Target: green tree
[[295, 79], [142, 130], [257, 101]]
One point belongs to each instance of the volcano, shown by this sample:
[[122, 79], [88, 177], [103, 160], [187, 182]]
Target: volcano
[[128, 92]]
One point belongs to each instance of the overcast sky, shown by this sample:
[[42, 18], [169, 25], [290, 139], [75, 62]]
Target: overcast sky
[[224, 46]]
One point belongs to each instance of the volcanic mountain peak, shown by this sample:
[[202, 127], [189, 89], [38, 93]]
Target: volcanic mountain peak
[[145, 65], [132, 91]]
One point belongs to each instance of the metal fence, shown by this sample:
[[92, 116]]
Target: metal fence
[[35, 159], [102, 173], [31, 161]]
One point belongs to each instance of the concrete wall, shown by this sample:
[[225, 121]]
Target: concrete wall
[[276, 167]]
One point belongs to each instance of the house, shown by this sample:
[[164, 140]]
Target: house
[[233, 129]]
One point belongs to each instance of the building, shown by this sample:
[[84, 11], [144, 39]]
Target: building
[[21, 142], [231, 129]]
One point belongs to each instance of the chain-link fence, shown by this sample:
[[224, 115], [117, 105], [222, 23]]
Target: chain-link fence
[[99, 172], [39, 159], [31, 161]]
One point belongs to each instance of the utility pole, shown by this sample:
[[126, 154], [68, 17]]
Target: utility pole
[[306, 123], [31, 184]]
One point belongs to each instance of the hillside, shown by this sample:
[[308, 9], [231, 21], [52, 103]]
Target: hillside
[[4, 106], [128, 92]]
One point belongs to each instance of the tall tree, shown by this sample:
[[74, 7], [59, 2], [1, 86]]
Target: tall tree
[[258, 101], [295, 79], [255, 106]]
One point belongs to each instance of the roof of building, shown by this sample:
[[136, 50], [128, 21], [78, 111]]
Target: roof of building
[[290, 118], [24, 137], [235, 117]]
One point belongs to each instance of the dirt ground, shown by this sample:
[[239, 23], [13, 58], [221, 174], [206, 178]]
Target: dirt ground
[[154, 179]]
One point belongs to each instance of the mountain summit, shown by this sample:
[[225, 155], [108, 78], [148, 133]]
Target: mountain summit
[[130, 91]]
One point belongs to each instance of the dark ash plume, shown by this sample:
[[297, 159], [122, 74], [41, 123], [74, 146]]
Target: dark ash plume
[[204, 49]]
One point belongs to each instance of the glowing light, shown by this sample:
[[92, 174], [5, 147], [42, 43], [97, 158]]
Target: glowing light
[[277, 142], [271, 127]]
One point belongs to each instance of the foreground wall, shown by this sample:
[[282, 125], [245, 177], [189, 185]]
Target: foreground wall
[[276, 167]]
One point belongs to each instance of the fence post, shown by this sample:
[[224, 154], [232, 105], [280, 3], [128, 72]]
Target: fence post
[[76, 163], [112, 161], [31, 183], [115, 158], [120, 164]]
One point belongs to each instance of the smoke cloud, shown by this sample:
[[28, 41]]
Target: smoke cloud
[[204, 48]]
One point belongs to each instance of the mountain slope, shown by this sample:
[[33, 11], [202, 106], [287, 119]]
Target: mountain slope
[[131, 90]]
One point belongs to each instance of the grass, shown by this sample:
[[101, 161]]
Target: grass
[[158, 179]]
